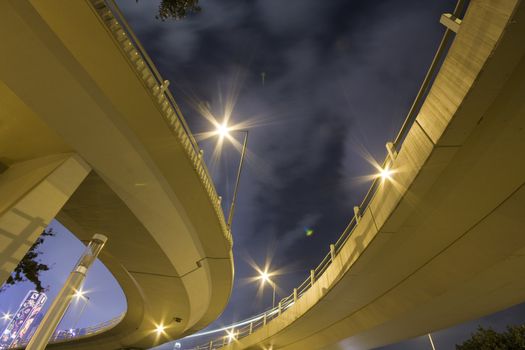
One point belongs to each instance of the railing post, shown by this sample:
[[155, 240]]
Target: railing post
[[357, 214], [332, 252], [211, 344], [264, 320], [392, 153], [295, 295], [450, 21], [280, 306], [164, 86], [312, 277], [251, 327]]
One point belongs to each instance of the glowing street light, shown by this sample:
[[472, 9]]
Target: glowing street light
[[230, 335], [385, 173], [6, 316], [160, 329], [79, 294], [264, 276], [223, 130]]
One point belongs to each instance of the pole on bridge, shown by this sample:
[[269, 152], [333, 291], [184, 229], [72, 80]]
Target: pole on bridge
[[392, 153], [431, 341], [63, 299], [357, 214]]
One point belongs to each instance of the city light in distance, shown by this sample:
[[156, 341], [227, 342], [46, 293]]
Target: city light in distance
[[6, 316]]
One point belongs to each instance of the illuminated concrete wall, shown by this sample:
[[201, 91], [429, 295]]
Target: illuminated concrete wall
[[32, 193]]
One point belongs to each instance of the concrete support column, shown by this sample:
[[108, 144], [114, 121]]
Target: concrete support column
[[31, 195]]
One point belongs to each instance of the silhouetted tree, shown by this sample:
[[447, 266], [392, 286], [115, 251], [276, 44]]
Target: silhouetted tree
[[30, 267], [177, 9], [488, 339]]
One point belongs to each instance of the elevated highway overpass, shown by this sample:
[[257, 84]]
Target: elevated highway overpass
[[441, 241], [90, 134]]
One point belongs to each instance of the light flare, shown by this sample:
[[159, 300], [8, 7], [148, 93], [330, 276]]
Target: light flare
[[231, 335], [159, 329], [79, 294], [385, 173]]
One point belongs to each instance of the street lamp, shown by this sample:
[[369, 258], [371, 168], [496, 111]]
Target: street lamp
[[223, 131], [160, 329], [385, 173], [265, 278], [230, 335], [70, 288], [80, 294], [6, 316], [431, 341]]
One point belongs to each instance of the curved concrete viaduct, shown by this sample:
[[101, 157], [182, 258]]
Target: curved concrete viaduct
[[442, 241], [90, 135]]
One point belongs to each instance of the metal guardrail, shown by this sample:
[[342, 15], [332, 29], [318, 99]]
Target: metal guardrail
[[60, 336], [114, 21], [394, 147]]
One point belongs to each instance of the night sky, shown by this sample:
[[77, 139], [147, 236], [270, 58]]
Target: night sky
[[339, 78], [322, 86]]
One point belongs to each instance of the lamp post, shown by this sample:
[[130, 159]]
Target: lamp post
[[63, 299], [235, 189], [80, 295], [223, 131], [431, 341], [265, 277]]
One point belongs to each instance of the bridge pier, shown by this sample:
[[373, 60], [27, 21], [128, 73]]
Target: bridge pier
[[31, 194]]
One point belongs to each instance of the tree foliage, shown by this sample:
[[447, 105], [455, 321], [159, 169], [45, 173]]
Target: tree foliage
[[488, 339], [30, 267], [177, 9]]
